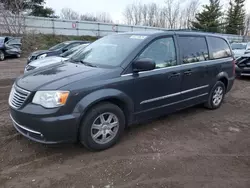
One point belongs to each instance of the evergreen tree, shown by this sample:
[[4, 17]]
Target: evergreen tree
[[209, 19], [37, 8], [31, 7], [235, 17]]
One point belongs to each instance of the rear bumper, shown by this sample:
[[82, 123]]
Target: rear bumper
[[46, 130]]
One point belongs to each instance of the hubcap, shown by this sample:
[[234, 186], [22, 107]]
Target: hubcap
[[218, 95], [104, 128]]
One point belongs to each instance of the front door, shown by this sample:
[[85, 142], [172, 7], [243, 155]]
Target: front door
[[157, 91], [195, 79]]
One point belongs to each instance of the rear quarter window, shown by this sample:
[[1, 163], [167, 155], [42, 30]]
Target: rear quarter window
[[193, 49], [218, 48]]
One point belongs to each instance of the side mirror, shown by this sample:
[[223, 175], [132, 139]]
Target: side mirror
[[144, 64]]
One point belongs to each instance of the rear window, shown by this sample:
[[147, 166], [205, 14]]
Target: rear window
[[219, 48], [193, 49]]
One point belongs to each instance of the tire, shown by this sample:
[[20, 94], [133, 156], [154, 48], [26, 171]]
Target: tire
[[88, 131], [2, 56], [219, 87], [18, 55]]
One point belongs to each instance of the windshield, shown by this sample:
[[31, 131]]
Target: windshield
[[109, 51], [1, 40], [239, 46], [59, 46]]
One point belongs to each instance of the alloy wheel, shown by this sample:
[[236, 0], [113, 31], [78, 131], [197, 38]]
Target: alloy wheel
[[217, 96], [104, 128]]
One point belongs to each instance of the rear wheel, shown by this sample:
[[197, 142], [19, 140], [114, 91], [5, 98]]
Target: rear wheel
[[216, 96], [18, 55], [2, 56], [102, 126]]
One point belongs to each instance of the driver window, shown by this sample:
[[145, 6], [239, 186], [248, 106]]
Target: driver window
[[162, 51]]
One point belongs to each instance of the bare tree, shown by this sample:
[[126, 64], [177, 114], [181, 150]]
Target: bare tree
[[128, 15], [152, 9], [172, 11], [12, 17], [172, 15], [190, 12], [104, 17], [69, 14], [247, 25]]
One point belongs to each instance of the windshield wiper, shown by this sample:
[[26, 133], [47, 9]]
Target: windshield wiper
[[87, 64], [82, 62]]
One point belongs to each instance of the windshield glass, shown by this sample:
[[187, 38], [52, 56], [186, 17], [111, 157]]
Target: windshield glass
[[109, 51], [59, 46], [239, 46]]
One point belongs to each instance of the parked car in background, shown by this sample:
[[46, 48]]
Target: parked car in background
[[55, 50], [240, 49], [120, 80], [243, 65], [10, 46], [54, 59]]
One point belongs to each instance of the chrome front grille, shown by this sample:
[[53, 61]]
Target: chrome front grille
[[17, 97]]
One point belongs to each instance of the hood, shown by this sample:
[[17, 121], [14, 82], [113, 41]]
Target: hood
[[57, 75], [39, 52], [239, 52], [47, 61]]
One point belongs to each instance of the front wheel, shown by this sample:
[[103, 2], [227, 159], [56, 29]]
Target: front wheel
[[102, 126], [216, 96], [2, 56]]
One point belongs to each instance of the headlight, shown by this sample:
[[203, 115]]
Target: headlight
[[51, 99], [41, 56]]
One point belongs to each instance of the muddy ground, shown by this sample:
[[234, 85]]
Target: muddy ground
[[194, 148]]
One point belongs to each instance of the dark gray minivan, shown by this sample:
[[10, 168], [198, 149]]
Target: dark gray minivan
[[120, 80]]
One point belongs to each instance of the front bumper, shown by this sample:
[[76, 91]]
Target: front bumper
[[44, 129], [242, 71]]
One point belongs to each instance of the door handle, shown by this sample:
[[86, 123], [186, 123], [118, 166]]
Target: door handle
[[189, 72], [175, 74]]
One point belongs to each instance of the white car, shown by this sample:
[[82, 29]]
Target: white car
[[240, 49], [54, 59]]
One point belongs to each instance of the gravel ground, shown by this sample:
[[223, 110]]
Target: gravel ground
[[193, 148]]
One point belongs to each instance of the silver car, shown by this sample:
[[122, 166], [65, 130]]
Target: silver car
[[54, 59], [240, 49]]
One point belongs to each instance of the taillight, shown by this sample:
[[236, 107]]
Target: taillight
[[234, 63]]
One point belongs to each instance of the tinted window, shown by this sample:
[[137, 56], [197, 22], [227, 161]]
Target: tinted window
[[162, 51], [194, 49], [219, 48]]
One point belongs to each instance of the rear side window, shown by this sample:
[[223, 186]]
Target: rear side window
[[193, 49], [219, 48]]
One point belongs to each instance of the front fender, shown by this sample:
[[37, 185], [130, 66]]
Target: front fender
[[102, 95]]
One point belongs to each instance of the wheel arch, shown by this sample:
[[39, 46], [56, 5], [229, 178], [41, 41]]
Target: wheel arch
[[223, 77], [113, 96]]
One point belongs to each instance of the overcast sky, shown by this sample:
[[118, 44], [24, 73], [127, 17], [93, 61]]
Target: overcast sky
[[114, 7]]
